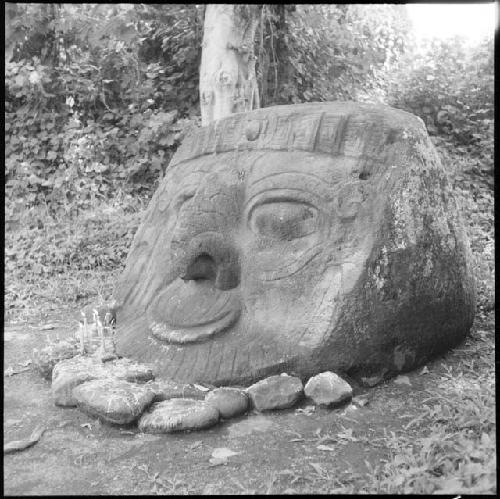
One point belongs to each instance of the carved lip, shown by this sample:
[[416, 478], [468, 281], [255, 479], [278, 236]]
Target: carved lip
[[182, 334]]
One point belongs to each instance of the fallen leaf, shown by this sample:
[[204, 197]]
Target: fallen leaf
[[402, 380], [223, 452], [424, 370], [47, 327], [86, 425], [18, 445], [297, 440], [10, 371], [317, 467], [306, 410], [326, 439], [26, 363], [325, 447], [221, 455], [127, 432], [347, 435], [361, 401], [350, 408], [217, 461]]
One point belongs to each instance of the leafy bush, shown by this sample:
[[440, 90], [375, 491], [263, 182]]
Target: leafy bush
[[98, 111], [331, 52], [450, 86]]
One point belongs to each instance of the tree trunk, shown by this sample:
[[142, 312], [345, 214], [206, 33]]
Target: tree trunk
[[11, 12], [227, 74]]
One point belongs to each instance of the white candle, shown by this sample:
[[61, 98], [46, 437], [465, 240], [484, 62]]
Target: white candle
[[81, 333]]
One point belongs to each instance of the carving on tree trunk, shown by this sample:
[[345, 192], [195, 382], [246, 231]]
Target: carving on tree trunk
[[227, 74]]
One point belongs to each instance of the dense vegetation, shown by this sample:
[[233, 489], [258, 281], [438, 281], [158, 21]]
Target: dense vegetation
[[99, 96]]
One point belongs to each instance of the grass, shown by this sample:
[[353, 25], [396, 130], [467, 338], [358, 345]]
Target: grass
[[453, 451], [56, 264]]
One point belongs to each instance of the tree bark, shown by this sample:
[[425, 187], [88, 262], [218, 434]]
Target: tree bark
[[227, 74]]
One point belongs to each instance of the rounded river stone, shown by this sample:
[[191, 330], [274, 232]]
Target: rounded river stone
[[178, 415], [327, 389], [230, 402], [276, 392], [70, 373], [113, 400]]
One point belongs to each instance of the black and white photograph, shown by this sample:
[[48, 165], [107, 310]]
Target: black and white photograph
[[249, 249]]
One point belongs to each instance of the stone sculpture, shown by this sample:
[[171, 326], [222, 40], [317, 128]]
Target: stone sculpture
[[298, 239]]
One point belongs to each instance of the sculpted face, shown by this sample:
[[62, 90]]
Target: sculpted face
[[257, 248], [244, 262]]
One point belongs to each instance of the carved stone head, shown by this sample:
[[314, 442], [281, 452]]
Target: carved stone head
[[300, 239]]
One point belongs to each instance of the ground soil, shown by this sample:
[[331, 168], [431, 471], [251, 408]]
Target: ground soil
[[277, 451]]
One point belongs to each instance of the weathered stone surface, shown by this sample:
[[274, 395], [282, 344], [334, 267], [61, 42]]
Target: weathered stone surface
[[303, 238], [178, 415], [167, 389], [113, 400], [70, 373], [230, 402], [275, 392], [327, 389], [47, 357], [130, 370]]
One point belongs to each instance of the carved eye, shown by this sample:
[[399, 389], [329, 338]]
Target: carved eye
[[283, 220]]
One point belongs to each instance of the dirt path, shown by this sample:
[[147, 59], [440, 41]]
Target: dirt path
[[286, 451]]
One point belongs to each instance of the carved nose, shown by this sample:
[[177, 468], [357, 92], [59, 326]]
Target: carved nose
[[209, 257]]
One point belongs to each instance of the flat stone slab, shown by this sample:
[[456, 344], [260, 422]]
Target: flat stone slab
[[230, 402], [113, 400], [178, 414], [276, 392], [70, 373], [327, 388]]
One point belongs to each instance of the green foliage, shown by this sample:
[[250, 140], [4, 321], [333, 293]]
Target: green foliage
[[329, 52], [94, 99], [450, 86]]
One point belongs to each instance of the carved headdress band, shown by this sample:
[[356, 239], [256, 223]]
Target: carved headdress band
[[337, 128]]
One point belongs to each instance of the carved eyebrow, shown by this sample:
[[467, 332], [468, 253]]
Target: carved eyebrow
[[309, 187], [282, 195]]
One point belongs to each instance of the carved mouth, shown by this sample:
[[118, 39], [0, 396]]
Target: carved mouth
[[192, 312], [195, 332]]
